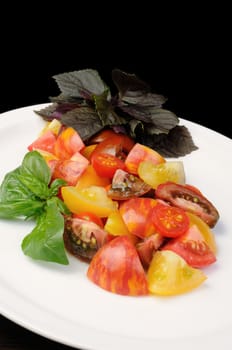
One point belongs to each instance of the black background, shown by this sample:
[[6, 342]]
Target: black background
[[191, 83], [189, 68]]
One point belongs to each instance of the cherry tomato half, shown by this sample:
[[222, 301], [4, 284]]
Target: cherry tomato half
[[105, 164], [190, 199], [170, 221]]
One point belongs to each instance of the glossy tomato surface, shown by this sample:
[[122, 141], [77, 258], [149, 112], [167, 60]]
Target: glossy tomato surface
[[192, 247], [169, 274], [135, 213], [116, 267], [170, 221]]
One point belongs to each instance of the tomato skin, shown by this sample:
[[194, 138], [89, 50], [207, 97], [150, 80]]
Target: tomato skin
[[93, 198], [102, 136], [45, 142], [89, 217], [135, 213], [170, 221], [117, 145], [106, 165], [125, 186], [192, 248], [141, 153], [187, 198], [83, 238], [71, 169], [116, 267], [68, 143], [169, 274], [90, 178]]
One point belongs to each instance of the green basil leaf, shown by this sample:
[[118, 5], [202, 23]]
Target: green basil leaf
[[61, 206], [38, 187], [21, 208], [12, 189], [45, 242], [55, 186], [33, 164]]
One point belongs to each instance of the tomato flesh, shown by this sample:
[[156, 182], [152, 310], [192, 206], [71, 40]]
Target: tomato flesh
[[106, 165], [135, 213], [88, 216], [44, 142], [192, 248], [190, 199], [141, 153], [116, 267], [169, 274], [117, 145], [170, 221]]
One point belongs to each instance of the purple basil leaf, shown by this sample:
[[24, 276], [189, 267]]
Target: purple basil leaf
[[106, 111], [128, 84], [56, 110], [83, 83], [84, 120], [177, 143], [161, 120]]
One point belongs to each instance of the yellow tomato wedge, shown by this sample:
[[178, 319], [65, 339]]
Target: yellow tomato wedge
[[93, 199], [91, 178], [205, 230], [169, 274], [54, 126], [87, 151], [115, 225], [154, 175]]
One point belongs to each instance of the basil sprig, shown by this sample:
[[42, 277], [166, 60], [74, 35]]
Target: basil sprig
[[28, 193]]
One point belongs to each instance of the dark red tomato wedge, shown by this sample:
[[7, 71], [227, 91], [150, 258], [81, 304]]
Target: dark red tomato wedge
[[125, 186], [106, 165], [83, 238], [192, 248], [170, 221], [147, 248], [190, 199], [135, 213], [116, 267]]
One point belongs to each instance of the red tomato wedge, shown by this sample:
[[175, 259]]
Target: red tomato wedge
[[170, 221], [117, 145], [116, 267], [135, 213], [106, 165], [68, 143], [192, 247], [140, 153], [71, 169], [45, 142]]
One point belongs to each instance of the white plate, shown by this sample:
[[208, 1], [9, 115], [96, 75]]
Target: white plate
[[60, 303]]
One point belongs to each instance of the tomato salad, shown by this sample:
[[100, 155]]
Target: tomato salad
[[127, 212]]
